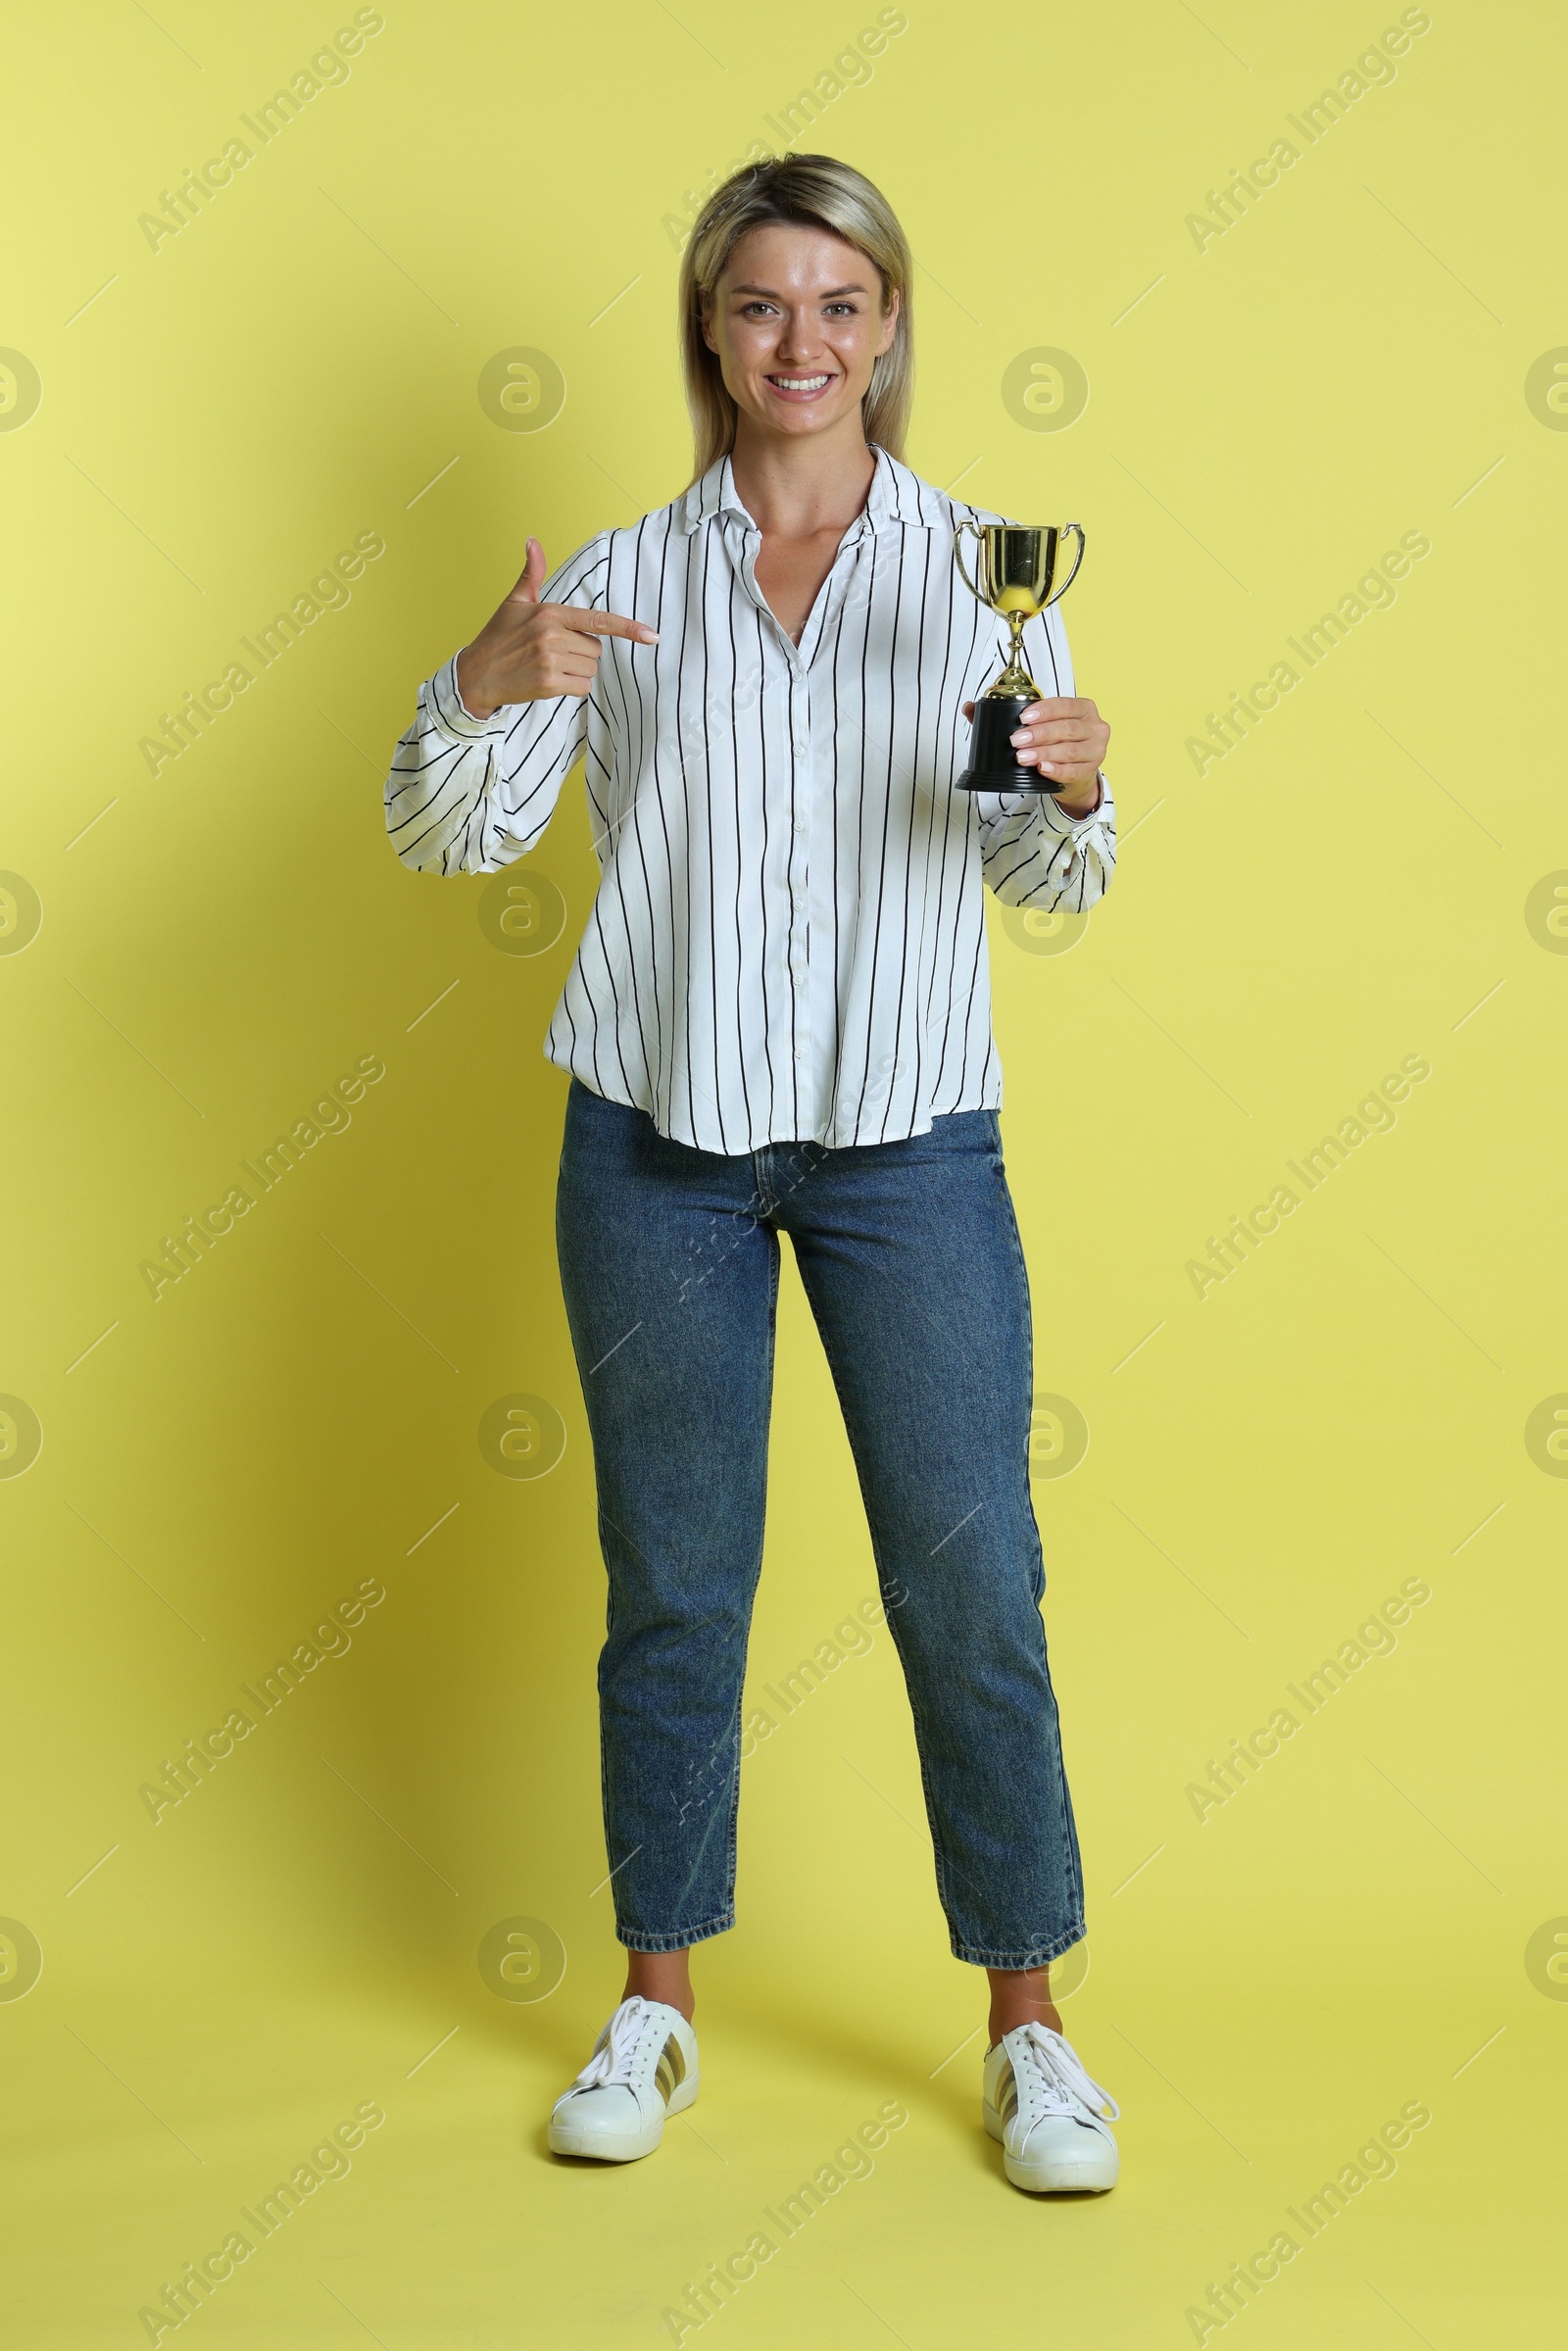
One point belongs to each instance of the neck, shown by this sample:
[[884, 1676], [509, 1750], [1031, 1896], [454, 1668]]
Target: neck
[[793, 487]]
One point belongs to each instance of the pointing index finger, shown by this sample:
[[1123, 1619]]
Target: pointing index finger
[[606, 624]]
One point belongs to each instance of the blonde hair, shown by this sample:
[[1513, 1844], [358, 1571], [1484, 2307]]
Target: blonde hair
[[813, 191]]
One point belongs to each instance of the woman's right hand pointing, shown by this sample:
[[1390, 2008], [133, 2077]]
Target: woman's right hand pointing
[[530, 652]]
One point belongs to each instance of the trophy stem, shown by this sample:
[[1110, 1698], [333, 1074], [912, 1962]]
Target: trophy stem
[[1015, 679]]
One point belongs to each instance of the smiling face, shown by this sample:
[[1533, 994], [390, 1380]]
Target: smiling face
[[798, 323]]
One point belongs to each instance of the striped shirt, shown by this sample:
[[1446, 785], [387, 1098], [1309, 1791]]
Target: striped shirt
[[787, 939]]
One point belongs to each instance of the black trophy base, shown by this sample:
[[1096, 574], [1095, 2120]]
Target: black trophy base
[[992, 762]]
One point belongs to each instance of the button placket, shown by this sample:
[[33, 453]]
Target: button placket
[[799, 871], [811, 1013], [815, 819]]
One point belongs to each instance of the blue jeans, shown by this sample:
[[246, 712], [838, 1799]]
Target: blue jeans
[[910, 1256]]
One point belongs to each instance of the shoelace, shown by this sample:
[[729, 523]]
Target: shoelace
[[615, 2060], [1064, 2084]]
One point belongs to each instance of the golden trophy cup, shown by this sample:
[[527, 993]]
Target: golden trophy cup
[[1018, 572]]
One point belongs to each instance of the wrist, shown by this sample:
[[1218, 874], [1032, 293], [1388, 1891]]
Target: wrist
[[470, 686], [1079, 800]]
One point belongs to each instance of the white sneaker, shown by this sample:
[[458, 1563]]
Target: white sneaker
[[644, 2065], [1046, 2112]]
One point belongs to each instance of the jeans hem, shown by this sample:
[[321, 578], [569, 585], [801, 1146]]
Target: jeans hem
[[632, 1939], [1038, 1955]]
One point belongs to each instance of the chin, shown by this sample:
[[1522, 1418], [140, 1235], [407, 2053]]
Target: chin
[[780, 414]]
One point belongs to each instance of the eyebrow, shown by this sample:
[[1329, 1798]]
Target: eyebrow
[[773, 296]]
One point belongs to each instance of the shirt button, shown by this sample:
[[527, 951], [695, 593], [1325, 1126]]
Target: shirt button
[[800, 824], [803, 1053]]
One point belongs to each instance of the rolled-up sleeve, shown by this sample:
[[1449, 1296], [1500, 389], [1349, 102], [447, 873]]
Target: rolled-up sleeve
[[469, 795], [1031, 853]]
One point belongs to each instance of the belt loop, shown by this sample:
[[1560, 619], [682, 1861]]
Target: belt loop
[[761, 1169]]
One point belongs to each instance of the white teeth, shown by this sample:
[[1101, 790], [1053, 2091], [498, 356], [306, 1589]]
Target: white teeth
[[800, 383]]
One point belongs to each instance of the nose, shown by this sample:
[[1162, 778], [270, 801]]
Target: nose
[[798, 337]]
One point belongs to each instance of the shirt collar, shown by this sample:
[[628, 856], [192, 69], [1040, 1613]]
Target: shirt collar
[[896, 497]]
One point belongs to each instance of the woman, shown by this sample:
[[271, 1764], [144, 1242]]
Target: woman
[[778, 1020]]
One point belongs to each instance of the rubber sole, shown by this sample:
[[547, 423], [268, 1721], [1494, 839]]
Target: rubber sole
[[1095, 2170], [565, 2137]]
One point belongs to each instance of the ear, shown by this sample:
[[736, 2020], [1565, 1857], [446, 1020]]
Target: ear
[[889, 323], [705, 315]]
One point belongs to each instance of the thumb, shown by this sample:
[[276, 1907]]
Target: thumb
[[529, 586]]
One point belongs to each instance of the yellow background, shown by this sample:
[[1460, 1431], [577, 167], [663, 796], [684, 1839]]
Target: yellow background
[[1265, 416]]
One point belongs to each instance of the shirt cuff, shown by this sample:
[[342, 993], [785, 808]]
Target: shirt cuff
[[446, 704]]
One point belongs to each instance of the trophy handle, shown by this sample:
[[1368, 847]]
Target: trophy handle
[[957, 555], [1075, 530]]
